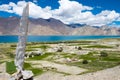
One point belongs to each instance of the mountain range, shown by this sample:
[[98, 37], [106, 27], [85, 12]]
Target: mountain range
[[10, 26]]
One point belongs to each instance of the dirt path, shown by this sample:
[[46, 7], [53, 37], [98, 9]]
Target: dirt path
[[59, 67], [3, 67], [108, 74], [3, 74]]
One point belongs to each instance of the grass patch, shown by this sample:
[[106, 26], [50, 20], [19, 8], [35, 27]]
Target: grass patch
[[65, 74], [13, 45], [10, 55], [39, 46], [2, 62], [96, 62], [7, 52], [44, 47], [98, 46], [90, 56], [95, 65], [56, 42], [78, 44], [27, 65], [10, 68], [30, 49], [37, 71], [68, 55]]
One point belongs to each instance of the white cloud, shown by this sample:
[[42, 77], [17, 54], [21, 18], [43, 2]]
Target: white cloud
[[74, 12], [35, 11], [38, 12], [68, 12], [6, 8], [103, 18]]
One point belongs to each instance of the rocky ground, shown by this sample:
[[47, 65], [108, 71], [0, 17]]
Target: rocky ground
[[108, 74]]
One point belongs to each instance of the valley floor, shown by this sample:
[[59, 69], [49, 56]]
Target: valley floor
[[74, 60]]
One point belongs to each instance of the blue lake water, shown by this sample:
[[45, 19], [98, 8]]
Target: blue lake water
[[11, 39]]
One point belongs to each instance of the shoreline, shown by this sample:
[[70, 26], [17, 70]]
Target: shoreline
[[54, 39]]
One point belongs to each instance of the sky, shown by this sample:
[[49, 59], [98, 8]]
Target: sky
[[90, 12]]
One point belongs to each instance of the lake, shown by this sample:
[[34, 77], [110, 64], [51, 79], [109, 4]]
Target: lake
[[11, 39]]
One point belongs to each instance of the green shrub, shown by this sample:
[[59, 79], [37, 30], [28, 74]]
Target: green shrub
[[10, 54], [79, 48], [103, 54], [85, 62], [44, 47], [13, 45]]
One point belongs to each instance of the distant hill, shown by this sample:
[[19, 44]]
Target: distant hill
[[10, 26], [92, 30]]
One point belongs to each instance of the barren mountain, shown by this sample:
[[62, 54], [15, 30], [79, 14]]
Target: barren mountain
[[48, 27], [91, 30], [10, 26]]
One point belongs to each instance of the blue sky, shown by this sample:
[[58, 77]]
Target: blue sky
[[91, 12]]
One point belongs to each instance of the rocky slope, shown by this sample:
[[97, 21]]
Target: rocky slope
[[90, 30], [10, 26]]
